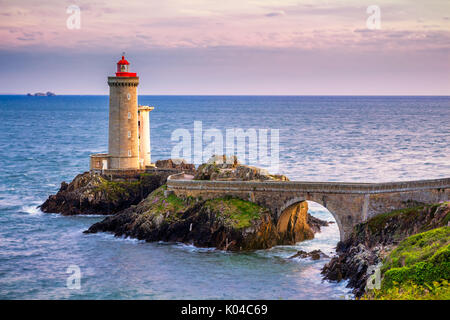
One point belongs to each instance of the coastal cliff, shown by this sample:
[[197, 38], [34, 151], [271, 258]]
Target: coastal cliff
[[377, 242], [223, 223], [91, 193]]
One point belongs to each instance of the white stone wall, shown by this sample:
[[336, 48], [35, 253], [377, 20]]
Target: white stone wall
[[144, 137]]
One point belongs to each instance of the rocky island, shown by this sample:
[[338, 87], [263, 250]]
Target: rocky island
[[142, 208], [42, 94]]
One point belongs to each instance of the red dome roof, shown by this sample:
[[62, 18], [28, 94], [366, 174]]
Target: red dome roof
[[123, 61], [122, 69]]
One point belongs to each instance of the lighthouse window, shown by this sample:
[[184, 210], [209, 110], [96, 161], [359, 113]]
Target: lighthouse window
[[128, 96], [129, 115], [129, 153], [129, 134]]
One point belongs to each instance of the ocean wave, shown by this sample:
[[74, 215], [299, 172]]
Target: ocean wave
[[81, 216], [188, 247], [112, 237], [31, 210]]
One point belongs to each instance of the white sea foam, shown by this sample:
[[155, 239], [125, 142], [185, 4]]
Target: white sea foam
[[112, 237], [31, 209], [190, 247], [84, 216]]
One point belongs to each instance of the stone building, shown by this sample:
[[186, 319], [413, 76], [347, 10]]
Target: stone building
[[129, 126]]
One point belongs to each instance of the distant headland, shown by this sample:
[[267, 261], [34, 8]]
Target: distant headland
[[41, 94]]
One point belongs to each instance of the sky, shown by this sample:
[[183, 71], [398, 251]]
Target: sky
[[232, 47]]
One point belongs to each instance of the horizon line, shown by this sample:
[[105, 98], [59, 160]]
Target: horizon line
[[247, 95]]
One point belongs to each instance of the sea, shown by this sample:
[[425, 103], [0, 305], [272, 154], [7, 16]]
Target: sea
[[47, 140]]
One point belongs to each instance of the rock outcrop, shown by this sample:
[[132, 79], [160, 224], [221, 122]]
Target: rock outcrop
[[91, 193], [352, 263], [314, 255], [226, 224], [230, 169], [370, 242], [222, 223], [292, 225], [316, 224], [178, 164]]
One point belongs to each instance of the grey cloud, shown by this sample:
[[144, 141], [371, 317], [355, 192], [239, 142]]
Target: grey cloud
[[363, 30], [275, 14], [29, 36]]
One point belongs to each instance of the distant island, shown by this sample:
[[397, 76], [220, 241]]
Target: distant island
[[41, 94]]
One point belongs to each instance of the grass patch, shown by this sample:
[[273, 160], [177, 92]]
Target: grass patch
[[239, 212], [419, 247], [423, 258], [419, 268], [412, 291], [157, 202]]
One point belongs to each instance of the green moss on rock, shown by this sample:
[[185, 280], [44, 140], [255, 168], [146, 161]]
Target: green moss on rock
[[239, 212], [115, 190], [158, 202]]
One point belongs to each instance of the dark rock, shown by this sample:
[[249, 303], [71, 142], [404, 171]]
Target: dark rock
[[179, 164], [292, 224], [316, 223], [352, 264], [230, 169], [201, 223], [314, 255], [224, 223]]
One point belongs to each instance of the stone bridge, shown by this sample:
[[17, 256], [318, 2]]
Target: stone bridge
[[349, 203]]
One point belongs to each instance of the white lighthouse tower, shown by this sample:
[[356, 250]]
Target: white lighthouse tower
[[129, 125]]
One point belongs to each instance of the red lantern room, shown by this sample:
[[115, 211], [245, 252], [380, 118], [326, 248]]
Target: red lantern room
[[122, 69]]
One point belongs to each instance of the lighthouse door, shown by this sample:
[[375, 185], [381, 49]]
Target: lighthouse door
[[104, 164]]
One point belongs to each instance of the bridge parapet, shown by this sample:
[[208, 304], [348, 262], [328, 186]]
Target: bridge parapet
[[174, 182]]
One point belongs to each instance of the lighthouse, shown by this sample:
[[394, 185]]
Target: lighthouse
[[129, 125]]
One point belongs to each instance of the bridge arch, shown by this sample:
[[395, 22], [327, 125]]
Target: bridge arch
[[295, 200]]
